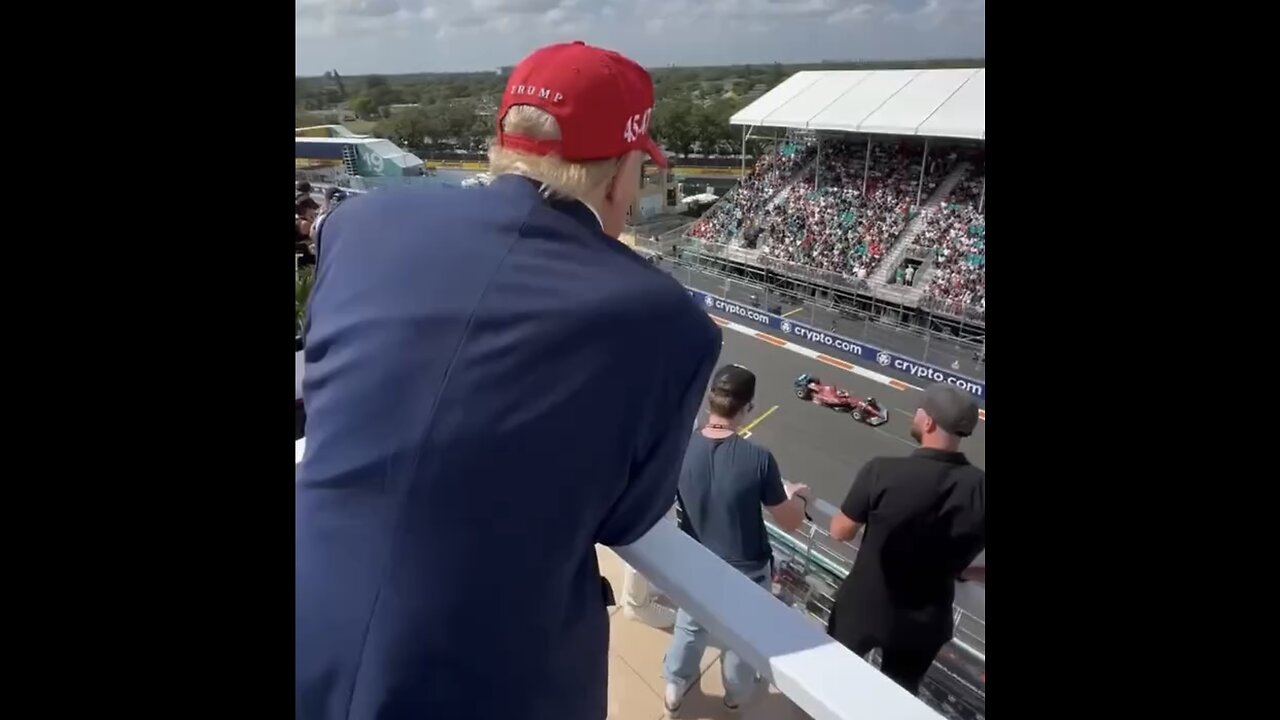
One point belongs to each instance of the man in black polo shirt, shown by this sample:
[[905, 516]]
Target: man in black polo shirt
[[926, 521]]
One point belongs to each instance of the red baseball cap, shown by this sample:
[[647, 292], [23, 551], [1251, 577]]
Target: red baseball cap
[[602, 101]]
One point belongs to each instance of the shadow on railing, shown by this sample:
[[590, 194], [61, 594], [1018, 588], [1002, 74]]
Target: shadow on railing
[[817, 674]]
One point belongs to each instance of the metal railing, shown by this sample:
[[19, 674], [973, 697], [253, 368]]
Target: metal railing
[[797, 272], [954, 308], [816, 673], [809, 568], [816, 552], [942, 342], [361, 184], [918, 252]]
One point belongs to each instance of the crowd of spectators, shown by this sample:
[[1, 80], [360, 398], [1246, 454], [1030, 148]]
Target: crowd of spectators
[[955, 236], [305, 212], [725, 222], [308, 215], [825, 222]]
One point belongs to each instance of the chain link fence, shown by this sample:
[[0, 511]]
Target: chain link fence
[[915, 333]]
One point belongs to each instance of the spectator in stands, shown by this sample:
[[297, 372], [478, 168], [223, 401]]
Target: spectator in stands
[[926, 520], [302, 188], [910, 275], [305, 210], [494, 384], [304, 215], [724, 482], [332, 197]]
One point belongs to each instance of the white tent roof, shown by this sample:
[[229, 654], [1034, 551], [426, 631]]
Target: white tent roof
[[931, 103]]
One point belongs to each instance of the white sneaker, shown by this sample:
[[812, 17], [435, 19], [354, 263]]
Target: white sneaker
[[672, 698]]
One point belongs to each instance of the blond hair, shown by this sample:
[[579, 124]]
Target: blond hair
[[559, 176]]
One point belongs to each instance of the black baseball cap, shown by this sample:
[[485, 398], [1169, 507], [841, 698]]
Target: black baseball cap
[[735, 382], [952, 408]]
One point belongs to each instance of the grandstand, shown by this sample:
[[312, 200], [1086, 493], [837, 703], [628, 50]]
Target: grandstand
[[873, 197]]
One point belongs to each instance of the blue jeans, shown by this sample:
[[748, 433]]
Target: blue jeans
[[689, 641]]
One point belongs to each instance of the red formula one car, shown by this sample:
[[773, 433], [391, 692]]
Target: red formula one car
[[865, 411]]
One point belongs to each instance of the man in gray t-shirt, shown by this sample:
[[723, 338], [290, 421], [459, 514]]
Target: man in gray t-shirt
[[724, 482]]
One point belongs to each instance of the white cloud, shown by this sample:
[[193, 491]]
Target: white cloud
[[389, 36], [854, 13], [515, 7], [931, 14]]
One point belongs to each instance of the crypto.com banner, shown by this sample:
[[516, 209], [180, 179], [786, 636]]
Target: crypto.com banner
[[901, 364]]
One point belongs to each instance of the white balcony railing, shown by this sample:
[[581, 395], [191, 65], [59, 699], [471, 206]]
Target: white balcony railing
[[819, 675]]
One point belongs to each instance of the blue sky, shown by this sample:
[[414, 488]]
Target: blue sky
[[397, 36]]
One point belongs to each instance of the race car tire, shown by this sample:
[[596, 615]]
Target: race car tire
[[857, 415], [802, 393]]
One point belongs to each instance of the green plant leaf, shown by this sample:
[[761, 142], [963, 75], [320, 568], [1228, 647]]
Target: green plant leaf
[[301, 293]]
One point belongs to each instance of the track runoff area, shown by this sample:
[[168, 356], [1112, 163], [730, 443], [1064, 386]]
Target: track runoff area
[[815, 445]]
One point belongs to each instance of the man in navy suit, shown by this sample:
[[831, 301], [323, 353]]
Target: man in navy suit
[[493, 384]]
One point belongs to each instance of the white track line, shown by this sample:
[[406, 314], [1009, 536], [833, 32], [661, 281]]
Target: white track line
[[822, 357]]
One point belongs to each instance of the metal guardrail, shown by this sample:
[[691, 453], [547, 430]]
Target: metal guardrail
[[818, 674], [814, 548], [924, 338], [809, 569], [804, 273], [797, 272], [953, 308]]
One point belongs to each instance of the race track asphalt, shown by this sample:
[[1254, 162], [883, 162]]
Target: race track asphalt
[[815, 445]]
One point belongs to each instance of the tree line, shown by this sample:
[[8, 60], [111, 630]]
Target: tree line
[[432, 113]]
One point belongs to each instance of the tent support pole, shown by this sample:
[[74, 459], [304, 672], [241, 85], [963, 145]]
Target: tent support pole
[[983, 197], [817, 164], [742, 171], [866, 166], [924, 161]]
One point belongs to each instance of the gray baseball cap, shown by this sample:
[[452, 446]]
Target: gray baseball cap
[[952, 408]]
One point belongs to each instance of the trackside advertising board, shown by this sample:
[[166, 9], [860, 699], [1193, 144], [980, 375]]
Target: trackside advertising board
[[901, 364]]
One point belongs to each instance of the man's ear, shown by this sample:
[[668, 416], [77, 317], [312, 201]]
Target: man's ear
[[611, 191], [621, 174]]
